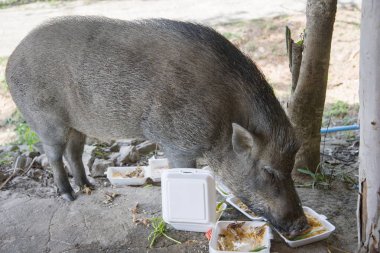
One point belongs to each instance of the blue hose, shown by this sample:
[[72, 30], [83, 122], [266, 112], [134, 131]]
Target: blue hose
[[339, 128]]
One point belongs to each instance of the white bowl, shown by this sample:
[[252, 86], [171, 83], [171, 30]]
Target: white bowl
[[117, 181], [213, 245], [321, 218], [233, 202]]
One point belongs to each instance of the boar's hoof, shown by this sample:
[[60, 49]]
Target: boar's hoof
[[68, 196]]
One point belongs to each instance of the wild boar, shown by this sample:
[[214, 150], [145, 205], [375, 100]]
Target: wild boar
[[179, 84]]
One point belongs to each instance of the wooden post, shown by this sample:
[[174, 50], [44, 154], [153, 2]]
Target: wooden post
[[369, 154]]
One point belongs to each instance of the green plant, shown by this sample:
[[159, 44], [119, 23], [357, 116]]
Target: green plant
[[159, 229], [26, 135], [338, 109], [318, 178]]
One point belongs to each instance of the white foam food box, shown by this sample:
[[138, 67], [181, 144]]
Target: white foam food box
[[122, 181], [189, 199], [221, 225], [322, 219], [156, 167], [234, 201]]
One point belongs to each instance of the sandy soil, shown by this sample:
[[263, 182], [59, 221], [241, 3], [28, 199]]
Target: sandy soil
[[263, 40]]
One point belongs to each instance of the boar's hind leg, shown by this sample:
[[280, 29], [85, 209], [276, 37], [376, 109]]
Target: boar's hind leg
[[54, 153], [73, 154]]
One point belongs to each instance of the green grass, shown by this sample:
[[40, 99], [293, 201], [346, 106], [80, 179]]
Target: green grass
[[338, 109], [340, 113], [159, 230], [319, 178]]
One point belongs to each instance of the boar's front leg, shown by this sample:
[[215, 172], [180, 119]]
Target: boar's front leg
[[73, 154], [54, 154]]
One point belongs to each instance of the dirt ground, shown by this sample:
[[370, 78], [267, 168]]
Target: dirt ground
[[34, 219]]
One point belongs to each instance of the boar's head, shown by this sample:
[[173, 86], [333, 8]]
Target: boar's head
[[262, 177]]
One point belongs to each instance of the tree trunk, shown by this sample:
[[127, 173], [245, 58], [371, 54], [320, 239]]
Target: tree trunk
[[307, 102], [369, 155], [295, 57]]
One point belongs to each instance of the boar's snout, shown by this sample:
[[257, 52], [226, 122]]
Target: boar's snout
[[297, 227]]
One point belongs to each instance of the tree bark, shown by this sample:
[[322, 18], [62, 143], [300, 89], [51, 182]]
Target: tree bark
[[295, 58], [306, 105], [369, 154]]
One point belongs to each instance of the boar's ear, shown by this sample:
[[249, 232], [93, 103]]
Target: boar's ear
[[242, 140]]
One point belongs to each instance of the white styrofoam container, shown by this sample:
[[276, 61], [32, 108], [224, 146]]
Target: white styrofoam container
[[323, 219], [188, 199], [156, 167], [223, 189], [213, 244], [233, 202], [117, 181]]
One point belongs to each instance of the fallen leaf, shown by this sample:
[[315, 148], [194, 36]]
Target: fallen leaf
[[87, 190]]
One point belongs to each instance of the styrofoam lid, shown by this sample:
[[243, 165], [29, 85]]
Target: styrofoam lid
[[188, 196]]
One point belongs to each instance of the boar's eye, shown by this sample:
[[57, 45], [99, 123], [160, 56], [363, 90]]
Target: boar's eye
[[270, 173]]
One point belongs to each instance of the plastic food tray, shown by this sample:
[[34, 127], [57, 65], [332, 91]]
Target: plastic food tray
[[223, 190], [233, 202], [323, 219], [117, 181], [213, 245]]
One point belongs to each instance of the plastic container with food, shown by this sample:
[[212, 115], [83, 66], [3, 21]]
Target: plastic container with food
[[241, 236], [320, 229], [189, 199], [156, 167], [239, 205], [122, 176]]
